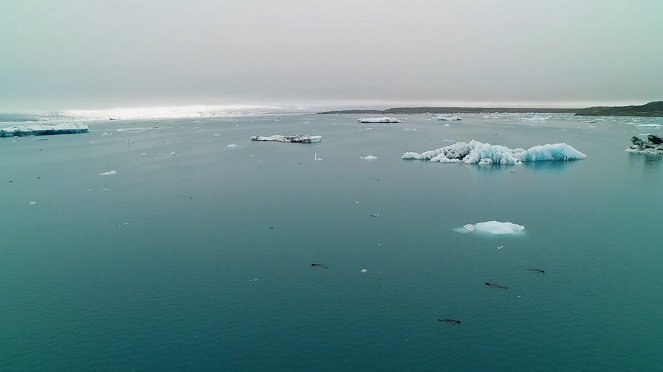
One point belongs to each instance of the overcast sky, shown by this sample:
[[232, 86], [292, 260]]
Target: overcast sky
[[67, 54]]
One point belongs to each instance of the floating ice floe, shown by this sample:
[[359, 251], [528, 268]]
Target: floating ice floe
[[300, 138], [653, 145], [379, 120], [363, 271], [492, 227], [537, 118], [232, 145], [448, 118], [369, 157], [485, 154], [109, 173], [43, 129]]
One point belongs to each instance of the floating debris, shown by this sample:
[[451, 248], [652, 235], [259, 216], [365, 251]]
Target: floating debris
[[319, 265], [375, 215], [536, 269]]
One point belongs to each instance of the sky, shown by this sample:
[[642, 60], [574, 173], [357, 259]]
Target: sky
[[85, 54]]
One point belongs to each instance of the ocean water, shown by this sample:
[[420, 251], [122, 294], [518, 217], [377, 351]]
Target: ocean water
[[197, 256]]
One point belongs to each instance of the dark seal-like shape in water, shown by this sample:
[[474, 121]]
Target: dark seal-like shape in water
[[491, 285], [450, 321]]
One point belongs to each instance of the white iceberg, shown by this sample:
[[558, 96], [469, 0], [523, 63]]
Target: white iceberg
[[300, 138], [369, 157], [484, 153], [109, 173], [379, 120], [492, 227], [448, 118], [43, 129]]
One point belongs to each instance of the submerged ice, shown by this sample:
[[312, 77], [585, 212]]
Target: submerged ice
[[476, 152]]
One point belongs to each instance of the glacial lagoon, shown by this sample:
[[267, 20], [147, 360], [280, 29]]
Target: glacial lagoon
[[182, 245]]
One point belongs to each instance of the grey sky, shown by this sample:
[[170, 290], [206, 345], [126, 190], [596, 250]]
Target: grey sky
[[94, 53]]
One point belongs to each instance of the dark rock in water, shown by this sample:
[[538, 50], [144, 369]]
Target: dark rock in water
[[491, 285], [319, 265], [536, 269], [656, 140], [637, 141]]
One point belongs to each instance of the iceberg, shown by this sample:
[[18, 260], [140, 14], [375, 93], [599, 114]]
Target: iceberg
[[369, 157], [492, 227], [448, 118], [379, 120], [653, 145], [476, 152], [43, 129], [300, 138]]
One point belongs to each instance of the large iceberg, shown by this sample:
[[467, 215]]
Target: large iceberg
[[379, 120], [300, 138], [43, 129], [492, 227], [476, 152]]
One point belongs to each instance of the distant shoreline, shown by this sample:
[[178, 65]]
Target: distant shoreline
[[651, 109]]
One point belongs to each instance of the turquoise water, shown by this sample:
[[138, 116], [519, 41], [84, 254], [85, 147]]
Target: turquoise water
[[155, 267]]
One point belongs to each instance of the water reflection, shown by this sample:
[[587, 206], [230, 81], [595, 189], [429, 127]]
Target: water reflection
[[651, 162]]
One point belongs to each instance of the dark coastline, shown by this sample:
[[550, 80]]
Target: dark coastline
[[651, 109]]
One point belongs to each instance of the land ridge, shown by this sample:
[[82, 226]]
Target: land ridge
[[651, 109]]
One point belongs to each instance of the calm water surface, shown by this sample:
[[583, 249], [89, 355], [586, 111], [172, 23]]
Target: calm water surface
[[197, 256]]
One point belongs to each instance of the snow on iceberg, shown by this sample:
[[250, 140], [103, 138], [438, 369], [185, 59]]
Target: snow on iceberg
[[485, 154], [492, 227], [300, 138], [379, 120], [43, 129]]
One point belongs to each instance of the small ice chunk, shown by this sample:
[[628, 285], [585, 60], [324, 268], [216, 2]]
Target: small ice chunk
[[493, 227], [448, 118], [232, 145], [383, 119], [369, 157], [33, 202], [363, 271], [109, 173]]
